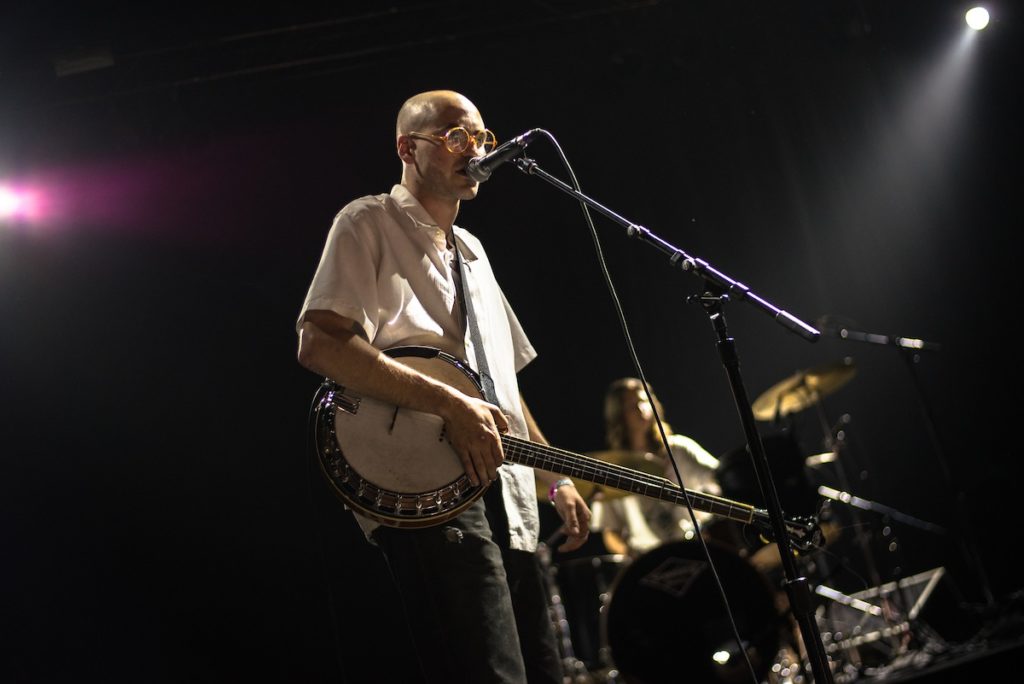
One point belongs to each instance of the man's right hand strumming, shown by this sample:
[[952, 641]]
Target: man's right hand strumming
[[332, 345], [474, 428]]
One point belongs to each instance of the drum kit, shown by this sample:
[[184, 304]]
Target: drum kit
[[656, 613]]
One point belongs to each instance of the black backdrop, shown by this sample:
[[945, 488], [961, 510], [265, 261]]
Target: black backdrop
[[159, 516]]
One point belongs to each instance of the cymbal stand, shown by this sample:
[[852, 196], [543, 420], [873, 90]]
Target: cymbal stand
[[835, 441]]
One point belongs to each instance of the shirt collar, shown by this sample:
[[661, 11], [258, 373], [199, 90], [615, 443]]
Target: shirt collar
[[412, 206], [415, 210]]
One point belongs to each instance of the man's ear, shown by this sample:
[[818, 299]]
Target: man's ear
[[405, 146]]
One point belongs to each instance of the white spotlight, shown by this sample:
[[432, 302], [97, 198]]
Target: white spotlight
[[10, 203], [977, 18]]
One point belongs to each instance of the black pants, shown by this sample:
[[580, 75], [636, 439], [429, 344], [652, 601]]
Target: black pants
[[477, 610]]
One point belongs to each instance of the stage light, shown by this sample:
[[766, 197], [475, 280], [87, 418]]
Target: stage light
[[977, 18], [18, 204], [12, 203], [8, 202]]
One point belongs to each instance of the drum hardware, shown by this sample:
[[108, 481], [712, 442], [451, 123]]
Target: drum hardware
[[815, 460], [910, 350], [607, 615], [802, 390], [892, 513], [877, 629], [586, 586], [879, 623], [574, 670], [873, 629], [738, 480], [578, 585]]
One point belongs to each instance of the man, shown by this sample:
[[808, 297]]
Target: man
[[390, 276]]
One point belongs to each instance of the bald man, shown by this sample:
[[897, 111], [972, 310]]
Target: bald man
[[390, 276]]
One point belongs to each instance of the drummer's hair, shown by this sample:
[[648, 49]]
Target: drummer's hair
[[615, 419]]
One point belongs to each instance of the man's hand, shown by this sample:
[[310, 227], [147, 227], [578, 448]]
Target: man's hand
[[575, 516], [474, 429]]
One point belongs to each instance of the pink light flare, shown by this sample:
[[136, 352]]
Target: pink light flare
[[19, 204]]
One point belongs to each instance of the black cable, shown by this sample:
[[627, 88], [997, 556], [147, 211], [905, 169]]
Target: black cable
[[647, 391]]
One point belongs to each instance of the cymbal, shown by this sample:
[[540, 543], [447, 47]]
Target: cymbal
[[635, 460], [802, 389], [645, 461]]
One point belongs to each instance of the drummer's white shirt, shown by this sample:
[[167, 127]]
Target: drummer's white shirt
[[644, 523], [386, 266]]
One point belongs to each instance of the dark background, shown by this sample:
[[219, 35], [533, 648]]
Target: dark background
[[159, 517]]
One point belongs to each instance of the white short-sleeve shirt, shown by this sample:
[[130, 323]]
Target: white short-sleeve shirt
[[387, 267]]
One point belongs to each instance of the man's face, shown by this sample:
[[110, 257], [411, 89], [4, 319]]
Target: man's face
[[443, 173]]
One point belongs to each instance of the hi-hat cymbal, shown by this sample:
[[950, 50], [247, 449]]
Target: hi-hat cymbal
[[634, 460], [802, 389]]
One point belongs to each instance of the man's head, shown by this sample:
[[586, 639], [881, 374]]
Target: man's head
[[431, 171]]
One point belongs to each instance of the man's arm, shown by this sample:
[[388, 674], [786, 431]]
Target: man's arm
[[333, 346], [570, 505]]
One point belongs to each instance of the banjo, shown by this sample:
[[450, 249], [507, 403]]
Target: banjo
[[395, 465]]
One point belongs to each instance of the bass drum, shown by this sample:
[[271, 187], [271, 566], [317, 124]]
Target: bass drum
[[666, 621]]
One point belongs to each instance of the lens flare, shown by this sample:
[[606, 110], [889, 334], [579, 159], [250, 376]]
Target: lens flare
[[9, 203], [17, 204]]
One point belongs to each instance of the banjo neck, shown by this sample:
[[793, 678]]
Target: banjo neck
[[589, 469]]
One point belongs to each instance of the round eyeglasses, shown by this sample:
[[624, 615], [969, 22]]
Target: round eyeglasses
[[457, 139]]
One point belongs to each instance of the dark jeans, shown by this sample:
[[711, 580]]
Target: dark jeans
[[477, 610]]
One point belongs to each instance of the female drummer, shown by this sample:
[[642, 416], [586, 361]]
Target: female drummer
[[634, 523]]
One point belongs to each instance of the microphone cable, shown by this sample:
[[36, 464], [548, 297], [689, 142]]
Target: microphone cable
[[617, 304]]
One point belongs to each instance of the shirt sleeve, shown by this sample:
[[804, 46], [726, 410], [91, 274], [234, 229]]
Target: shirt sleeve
[[699, 454], [346, 278]]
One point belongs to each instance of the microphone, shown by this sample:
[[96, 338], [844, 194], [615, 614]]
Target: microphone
[[480, 168]]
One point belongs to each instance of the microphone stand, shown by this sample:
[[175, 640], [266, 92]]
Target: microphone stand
[[909, 348], [718, 290]]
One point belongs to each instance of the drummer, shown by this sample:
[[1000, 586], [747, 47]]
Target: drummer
[[634, 523]]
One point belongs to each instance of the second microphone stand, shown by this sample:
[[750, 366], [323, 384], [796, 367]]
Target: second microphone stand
[[909, 349], [719, 289]]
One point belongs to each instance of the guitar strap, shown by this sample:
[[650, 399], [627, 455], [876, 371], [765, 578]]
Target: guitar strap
[[473, 325]]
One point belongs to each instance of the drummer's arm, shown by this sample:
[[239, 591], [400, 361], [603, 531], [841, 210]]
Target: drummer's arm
[[570, 505], [704, 465]]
